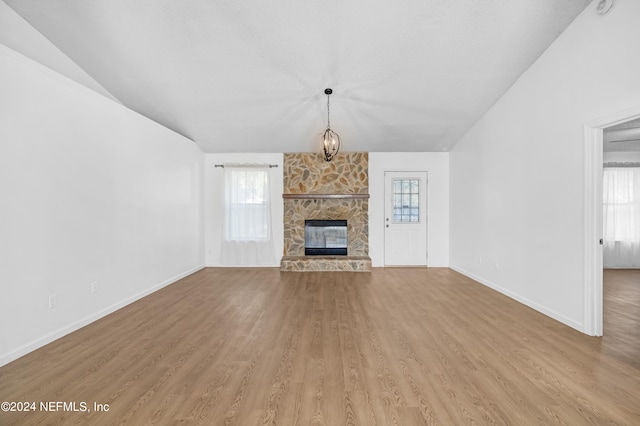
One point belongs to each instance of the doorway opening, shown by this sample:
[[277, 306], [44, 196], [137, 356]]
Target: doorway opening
[[593, 219]]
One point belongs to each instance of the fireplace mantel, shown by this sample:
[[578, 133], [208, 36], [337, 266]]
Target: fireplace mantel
[[325, 196]]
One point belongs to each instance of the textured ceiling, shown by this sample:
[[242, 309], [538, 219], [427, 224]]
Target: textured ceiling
[[249, 76]]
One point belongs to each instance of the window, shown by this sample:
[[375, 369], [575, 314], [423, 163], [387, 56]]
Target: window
[[406, 201], [621, 217], [247, 207], [621, 201]]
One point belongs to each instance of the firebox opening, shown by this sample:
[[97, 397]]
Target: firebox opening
[[325, 237]]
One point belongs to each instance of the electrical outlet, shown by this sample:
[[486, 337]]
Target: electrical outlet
[[94, 287], [53, 301], [479, 260]]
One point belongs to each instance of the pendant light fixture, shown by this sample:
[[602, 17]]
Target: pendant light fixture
[[330, 139]]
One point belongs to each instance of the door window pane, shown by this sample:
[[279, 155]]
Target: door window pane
[[406, 200]]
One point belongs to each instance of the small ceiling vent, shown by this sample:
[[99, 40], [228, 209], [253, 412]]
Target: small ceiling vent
[[604, 6]]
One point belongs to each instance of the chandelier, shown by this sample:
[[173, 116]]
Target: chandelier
[[330, 139]]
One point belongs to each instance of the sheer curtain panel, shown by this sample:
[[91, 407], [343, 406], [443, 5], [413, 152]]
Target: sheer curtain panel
[[247, 239], [621, 217]]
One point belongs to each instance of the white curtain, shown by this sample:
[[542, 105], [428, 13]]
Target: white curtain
[[247, 236], [621, 217]]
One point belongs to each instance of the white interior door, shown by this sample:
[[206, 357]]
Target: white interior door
[[405, 226]]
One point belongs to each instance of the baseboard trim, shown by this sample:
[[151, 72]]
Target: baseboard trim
[[215, 265], [533, 305], [42, 341]]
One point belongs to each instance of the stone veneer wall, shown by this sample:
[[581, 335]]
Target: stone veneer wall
[[354, 211], [307, 174]]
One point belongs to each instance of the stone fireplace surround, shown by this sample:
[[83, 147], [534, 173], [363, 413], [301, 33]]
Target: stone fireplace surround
[[316, 189]]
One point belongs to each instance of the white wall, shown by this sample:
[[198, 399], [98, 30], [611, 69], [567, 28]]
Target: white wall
[[214, 201], [437, 167], [517, 178], [91, 192]]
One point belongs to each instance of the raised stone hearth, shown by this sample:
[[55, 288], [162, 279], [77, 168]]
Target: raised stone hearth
[[315, 189], [326, 263]]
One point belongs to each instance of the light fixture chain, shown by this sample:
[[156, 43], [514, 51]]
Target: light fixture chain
[[328, 114]]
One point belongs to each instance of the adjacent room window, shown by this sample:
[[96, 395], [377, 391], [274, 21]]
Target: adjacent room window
[[621, 217], [247, 216], [406, 201]]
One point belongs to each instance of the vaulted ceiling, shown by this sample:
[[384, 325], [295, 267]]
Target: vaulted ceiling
[[249, 76]]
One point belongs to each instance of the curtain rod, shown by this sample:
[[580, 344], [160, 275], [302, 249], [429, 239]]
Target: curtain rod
[[271, 166], [627, 164]]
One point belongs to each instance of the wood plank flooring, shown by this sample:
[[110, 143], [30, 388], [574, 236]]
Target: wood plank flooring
[[404, 346], [621, 305]]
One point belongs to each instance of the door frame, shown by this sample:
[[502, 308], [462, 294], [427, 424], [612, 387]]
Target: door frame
[[593, 169], [426, 213]]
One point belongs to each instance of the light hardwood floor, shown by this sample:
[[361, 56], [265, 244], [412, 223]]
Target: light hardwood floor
[[622, 315], [395, 346]]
